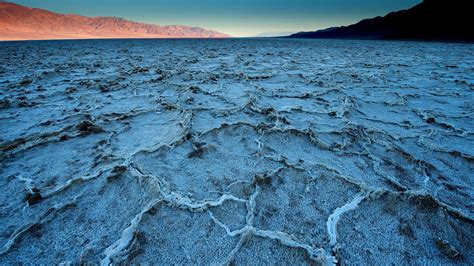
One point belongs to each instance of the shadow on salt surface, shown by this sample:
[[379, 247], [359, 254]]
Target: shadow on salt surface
[[172, 236], [87, 220], [403, 230]]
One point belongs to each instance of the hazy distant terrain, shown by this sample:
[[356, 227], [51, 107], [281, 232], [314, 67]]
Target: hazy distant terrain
[[236, 151], [22, 23], [274, 34]]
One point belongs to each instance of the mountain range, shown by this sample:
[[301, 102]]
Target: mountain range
[[23, 23], [273, 34], [429, 20]]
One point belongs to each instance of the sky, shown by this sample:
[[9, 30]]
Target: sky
[[239, 18]]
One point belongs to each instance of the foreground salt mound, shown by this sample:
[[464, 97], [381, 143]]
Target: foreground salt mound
[[280, 151]]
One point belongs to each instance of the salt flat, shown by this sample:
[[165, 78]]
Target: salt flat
[[245, 151]]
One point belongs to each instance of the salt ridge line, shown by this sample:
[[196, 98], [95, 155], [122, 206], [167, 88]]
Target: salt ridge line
[[336, 215], [319, 255]]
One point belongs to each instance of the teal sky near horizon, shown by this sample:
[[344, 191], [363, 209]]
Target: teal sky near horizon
[[240, 18]]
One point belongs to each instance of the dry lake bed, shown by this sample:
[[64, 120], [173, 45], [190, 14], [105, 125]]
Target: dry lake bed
[[239, 151]]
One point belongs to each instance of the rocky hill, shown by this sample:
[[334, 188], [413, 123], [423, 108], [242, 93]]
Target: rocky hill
[[429, 20]]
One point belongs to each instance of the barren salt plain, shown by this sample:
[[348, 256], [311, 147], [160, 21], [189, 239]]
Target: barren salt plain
[[236, 151]]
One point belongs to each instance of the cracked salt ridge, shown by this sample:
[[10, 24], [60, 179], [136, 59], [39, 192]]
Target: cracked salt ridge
[[336, 215], [334, 117]]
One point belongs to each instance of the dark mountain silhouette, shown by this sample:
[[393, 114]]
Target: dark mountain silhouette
[[429, 20], [23, 23]]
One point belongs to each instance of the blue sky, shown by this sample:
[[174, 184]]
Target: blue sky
[[235, 17]]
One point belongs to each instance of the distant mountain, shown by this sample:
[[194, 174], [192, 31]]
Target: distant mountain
[[429, 20], [23, 23], [274, 34]]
